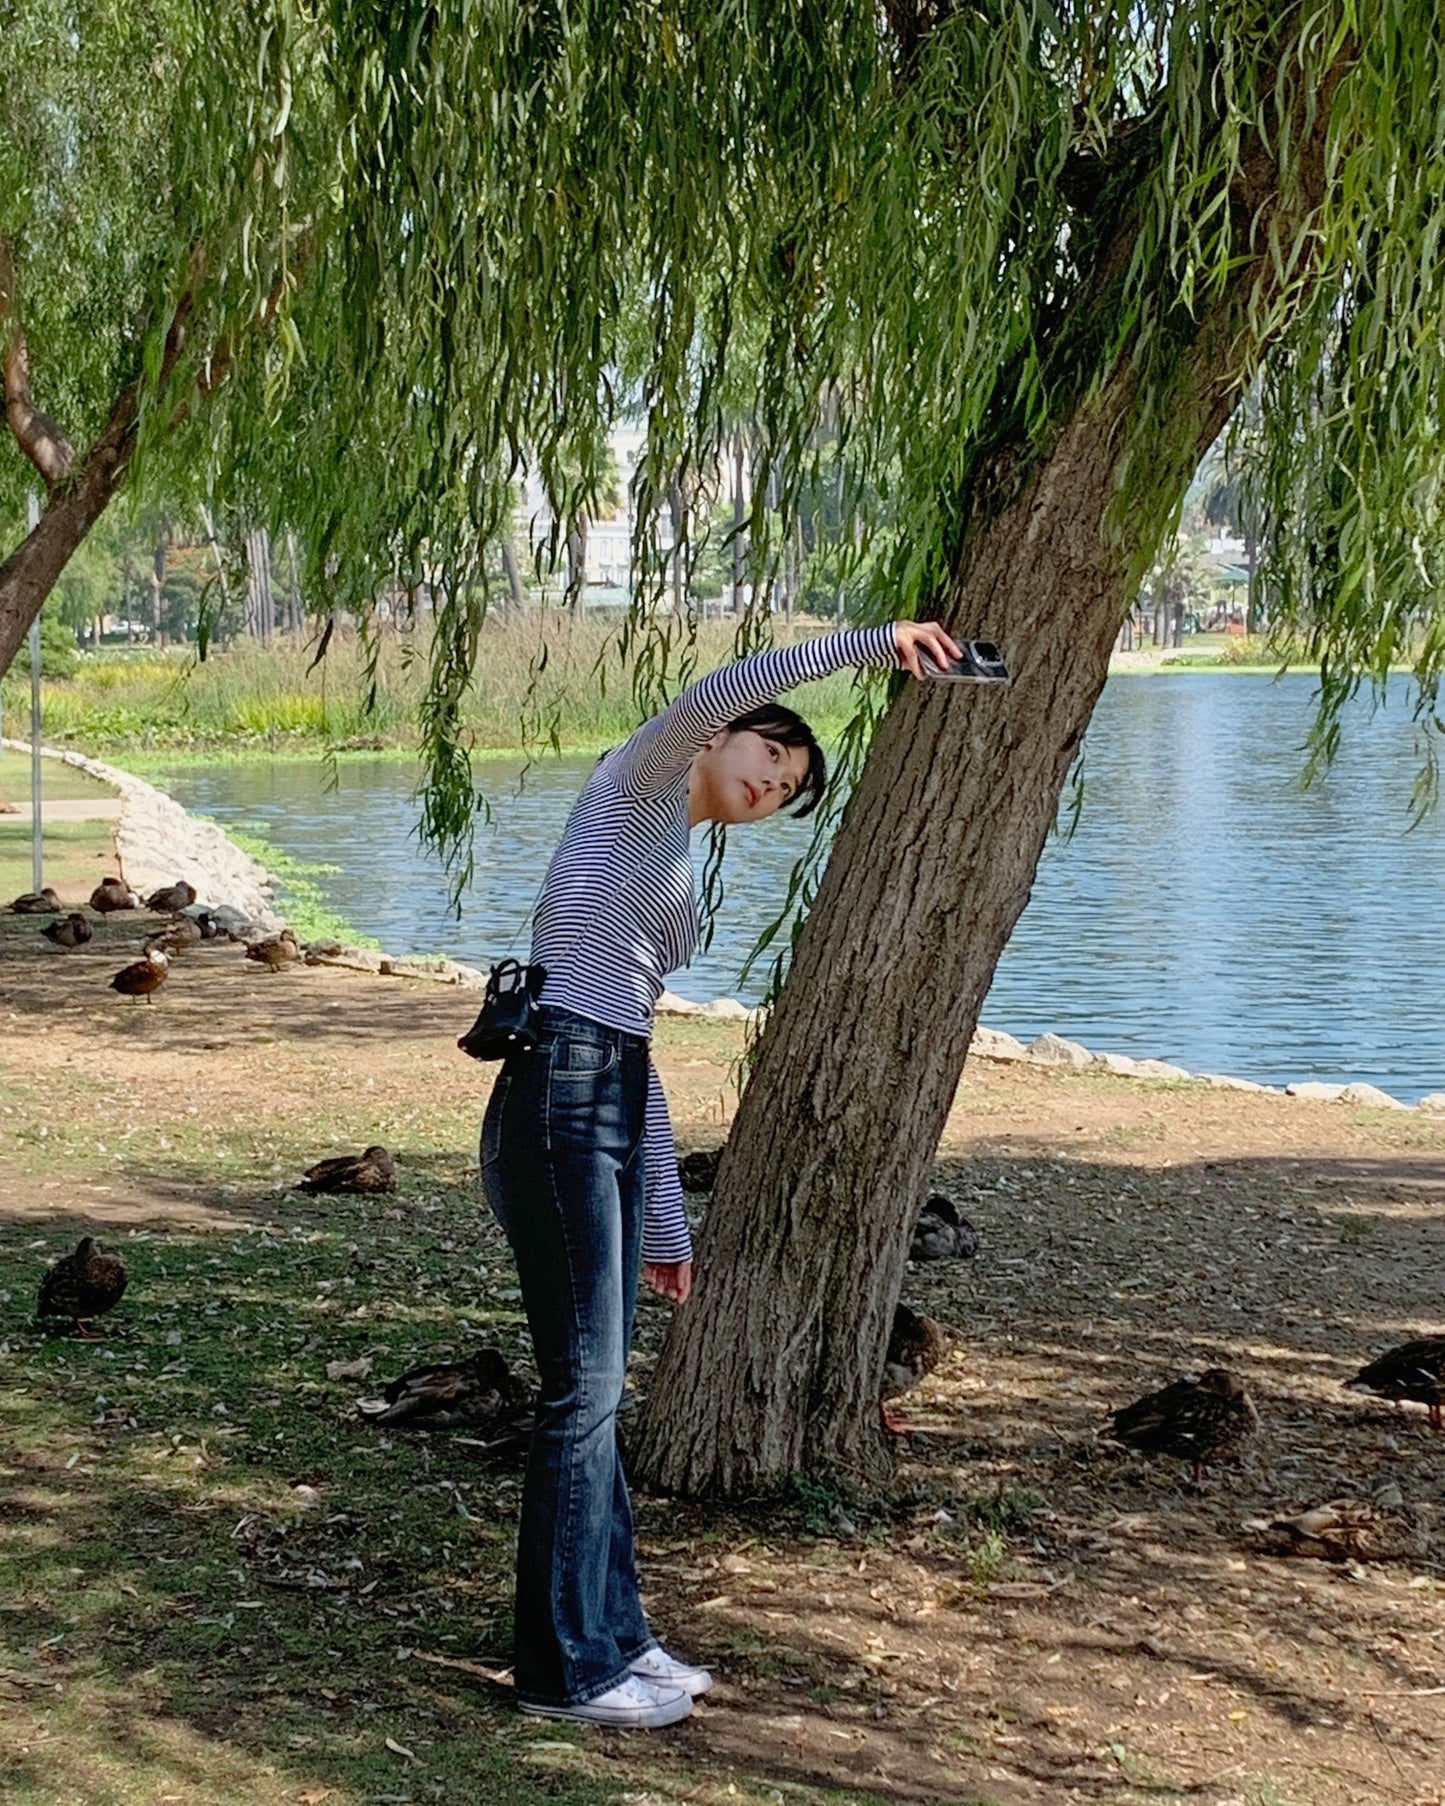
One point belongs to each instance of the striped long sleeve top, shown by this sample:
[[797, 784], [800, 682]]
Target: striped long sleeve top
[[618, 909]]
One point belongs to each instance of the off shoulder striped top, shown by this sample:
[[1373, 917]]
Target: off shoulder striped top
[[618, 909]]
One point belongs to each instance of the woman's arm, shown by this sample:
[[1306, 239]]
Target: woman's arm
[[670, 741], [666, 1238]]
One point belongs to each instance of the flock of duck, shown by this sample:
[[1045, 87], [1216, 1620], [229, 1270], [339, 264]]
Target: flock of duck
[[187, 923], [1194, 1420]]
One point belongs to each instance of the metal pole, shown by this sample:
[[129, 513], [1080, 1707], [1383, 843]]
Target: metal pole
[[37, 825]]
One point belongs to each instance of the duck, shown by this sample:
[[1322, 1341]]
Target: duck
[[224, 918], [1414, 1372], [143, 976], [171, 897], [112, 894], [372, 1170], [480, 1392], [38, 903], [204, 918], [83, 1285], [941, 1233], [177, 935], [698, 1171], [1196, 1420], [916, 1345], [276, 950], [72, 930], [1339, 1530]]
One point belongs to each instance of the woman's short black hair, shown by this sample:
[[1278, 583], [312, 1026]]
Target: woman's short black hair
[[774, 722]]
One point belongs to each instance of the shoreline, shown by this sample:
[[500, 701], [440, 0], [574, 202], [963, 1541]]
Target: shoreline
[[270, 746], [158, 841]]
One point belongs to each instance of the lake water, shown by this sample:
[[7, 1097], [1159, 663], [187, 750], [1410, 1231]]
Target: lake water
[[1208, 911]]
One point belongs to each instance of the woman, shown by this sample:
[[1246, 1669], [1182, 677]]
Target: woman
[[578, 1160]]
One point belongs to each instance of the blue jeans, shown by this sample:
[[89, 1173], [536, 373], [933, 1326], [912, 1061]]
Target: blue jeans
[[562, 1168]]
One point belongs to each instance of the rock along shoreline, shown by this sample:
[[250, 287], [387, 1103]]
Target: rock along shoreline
[[158, 841]]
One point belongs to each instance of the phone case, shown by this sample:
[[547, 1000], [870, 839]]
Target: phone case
[[982, 663]]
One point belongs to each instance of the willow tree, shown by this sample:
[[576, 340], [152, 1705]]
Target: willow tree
[[1012, 265], [995, 274]]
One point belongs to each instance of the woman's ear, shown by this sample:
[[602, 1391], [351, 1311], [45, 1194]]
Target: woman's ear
[[716, 741]]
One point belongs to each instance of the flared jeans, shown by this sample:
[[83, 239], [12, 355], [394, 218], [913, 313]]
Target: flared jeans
[[562, 1169]]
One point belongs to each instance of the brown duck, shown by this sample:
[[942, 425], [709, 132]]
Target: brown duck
[[83, 1285], [37, 903], [176, 936], [71, 930], [171, 897], [276, 951], [916, 1345], [143, 976], [1340, 1530], [370, 1171], [479, 1393], [1414, 1372], [1195, 1420], [112, 894]]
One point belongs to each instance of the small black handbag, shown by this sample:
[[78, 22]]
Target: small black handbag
[[508, 1020]]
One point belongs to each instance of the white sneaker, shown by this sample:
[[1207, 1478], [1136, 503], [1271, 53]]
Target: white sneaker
[[664, 1670], [633, 1704]]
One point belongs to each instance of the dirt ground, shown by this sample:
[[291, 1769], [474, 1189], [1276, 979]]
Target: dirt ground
[[1035, 1615]]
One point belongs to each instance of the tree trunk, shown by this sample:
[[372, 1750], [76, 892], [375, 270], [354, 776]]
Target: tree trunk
[[774, 1366], [514, 575], [738, 517], [830, 1155], [675, 513], [577, 565], [158, 582], [29, 574]]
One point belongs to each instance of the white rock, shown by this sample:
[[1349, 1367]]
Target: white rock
[[1360, 1093], [994, 1044], [1160, 1069], [1315, 1092], [1120, 1064], [728, 1009], [670, 1004], [1054, 1050], [1222, 1081], [1433, 1101]]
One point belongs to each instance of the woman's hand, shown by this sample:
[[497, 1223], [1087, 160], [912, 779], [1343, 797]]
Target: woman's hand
[[673, 1279], [915, 637]]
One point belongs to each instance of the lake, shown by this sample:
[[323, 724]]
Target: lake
[[1207, 911]]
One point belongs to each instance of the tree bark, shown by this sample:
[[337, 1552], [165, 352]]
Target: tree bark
[[29, 574], [514, 575], [774, 1366]]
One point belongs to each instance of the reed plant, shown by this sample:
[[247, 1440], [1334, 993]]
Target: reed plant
[[542, 679]]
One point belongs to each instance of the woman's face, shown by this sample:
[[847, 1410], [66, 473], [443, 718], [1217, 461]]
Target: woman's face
[[744, 776]]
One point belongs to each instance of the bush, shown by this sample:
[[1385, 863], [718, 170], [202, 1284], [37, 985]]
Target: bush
[[59, 654]]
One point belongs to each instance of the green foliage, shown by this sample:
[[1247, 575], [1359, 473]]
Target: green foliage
[[434, 243], [248, 700], [58, 654], [302, 900]]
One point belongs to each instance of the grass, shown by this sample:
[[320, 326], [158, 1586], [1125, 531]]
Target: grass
[[539, 679], [181, 1623], [59, 782], [75, 855]]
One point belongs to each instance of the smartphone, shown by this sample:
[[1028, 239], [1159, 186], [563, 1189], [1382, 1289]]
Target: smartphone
[[982, 663]]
